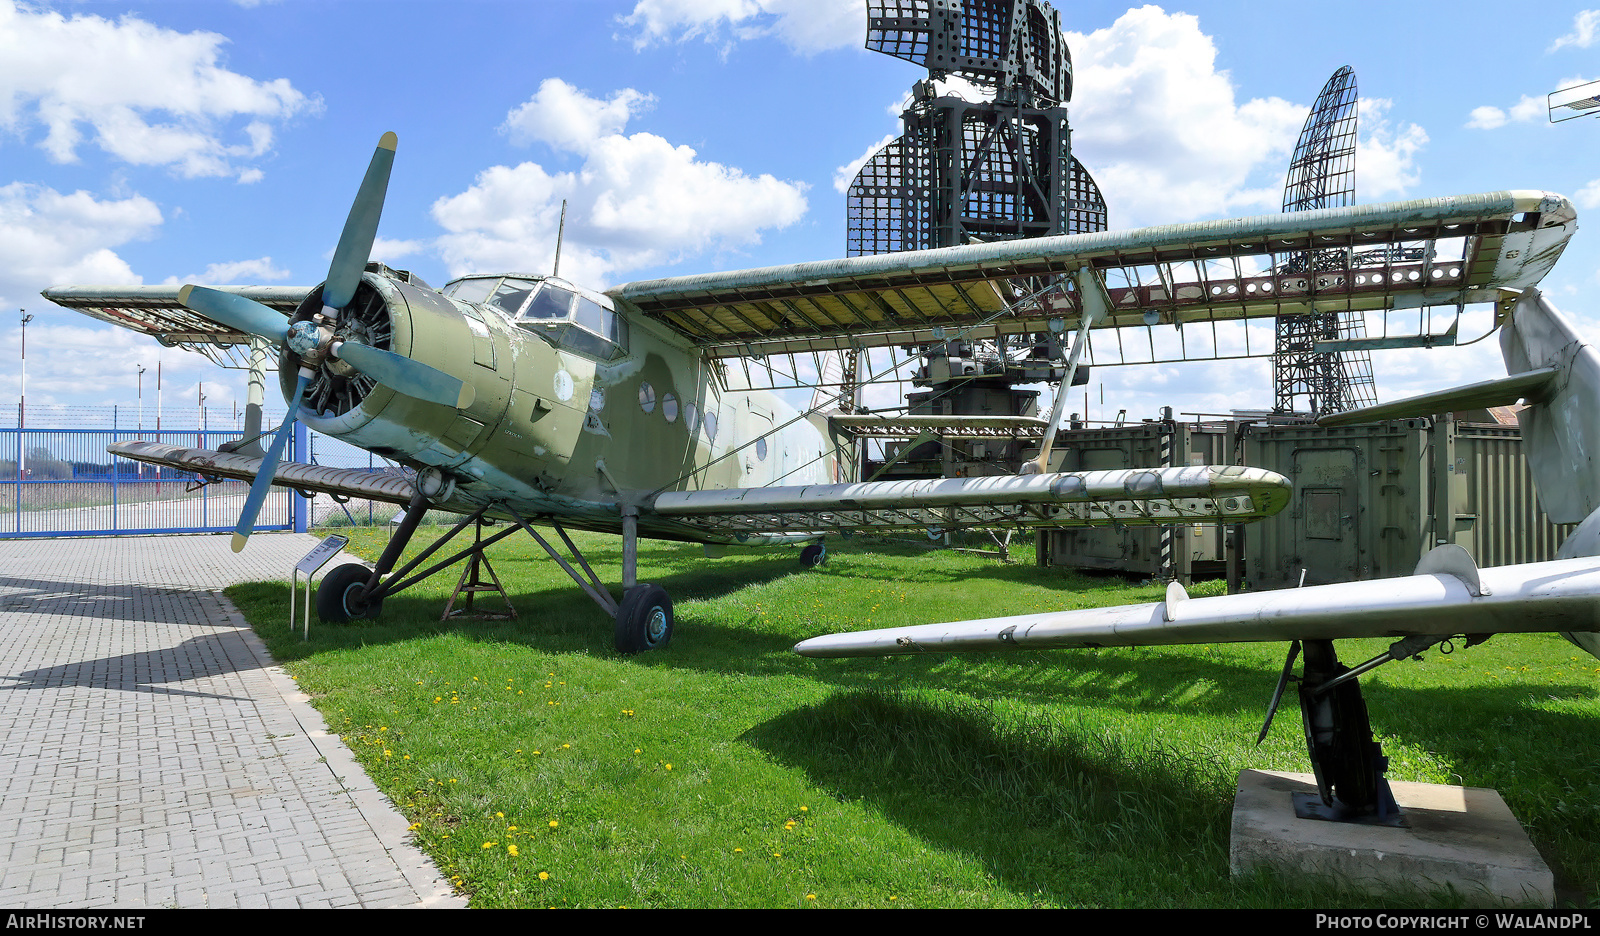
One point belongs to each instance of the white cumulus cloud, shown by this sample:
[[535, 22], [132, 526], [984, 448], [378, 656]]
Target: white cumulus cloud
[[141, 93], [1588, 196], [49, 238], [1489, 117], [1160, 128], [234, 273], [807, 26], [637, 200], [1583, 31]]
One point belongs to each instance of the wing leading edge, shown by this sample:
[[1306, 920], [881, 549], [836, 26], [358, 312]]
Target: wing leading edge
[[156, 311], [346, 482], [1360, 258], [1448, 596]]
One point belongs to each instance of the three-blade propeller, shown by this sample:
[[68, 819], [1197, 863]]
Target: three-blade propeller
[[412, 378]]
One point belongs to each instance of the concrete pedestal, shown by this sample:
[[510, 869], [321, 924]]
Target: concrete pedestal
[[1464, 838]]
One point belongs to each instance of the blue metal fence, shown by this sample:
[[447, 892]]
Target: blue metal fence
[[62, 482]]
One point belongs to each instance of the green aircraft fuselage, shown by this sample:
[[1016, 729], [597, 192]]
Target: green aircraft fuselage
[[579, 408]]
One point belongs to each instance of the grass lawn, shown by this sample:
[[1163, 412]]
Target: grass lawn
[[540, 768]]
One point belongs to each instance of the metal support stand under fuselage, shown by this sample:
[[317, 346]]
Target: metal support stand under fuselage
[[471, 584]]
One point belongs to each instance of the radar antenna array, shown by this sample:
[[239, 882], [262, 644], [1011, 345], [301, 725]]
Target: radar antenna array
[[1322, 174]]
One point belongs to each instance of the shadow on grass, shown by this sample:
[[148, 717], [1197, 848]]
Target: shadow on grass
[[1048, 807]]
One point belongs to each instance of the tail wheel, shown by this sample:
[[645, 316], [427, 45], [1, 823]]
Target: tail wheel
[[339, 596], [814, 555], [644, 619]]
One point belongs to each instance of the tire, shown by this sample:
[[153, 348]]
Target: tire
[[644, 619], [814, 555], [338, 597], [1348, 763]]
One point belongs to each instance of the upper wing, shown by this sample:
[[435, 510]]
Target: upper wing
[[156, 311], [1385, 256], [1448, 596], [347, 482], [1136, 496]]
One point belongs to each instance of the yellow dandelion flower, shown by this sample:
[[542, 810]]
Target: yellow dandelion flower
[[553, 823], [669, 766], [490, 844], [511, 850], [811, 896], [544, 875]]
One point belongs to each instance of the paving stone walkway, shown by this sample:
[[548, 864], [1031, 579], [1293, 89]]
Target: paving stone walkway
[[153, 755]]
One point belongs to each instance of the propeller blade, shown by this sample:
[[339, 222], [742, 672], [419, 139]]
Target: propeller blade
[[269, 467], [247, 315], [360, 228], [413, 378]]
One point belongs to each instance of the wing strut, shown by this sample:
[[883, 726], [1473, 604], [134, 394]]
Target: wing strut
[[1096, 305]]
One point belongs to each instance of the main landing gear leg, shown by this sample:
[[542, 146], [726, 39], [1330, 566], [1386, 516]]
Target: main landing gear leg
[[1349, 765], [350, 592], [644, 617], [354, 591]]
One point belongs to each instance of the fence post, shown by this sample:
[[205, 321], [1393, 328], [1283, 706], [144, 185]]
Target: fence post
[[299, 506]]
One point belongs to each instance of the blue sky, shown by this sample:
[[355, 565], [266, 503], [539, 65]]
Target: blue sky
[[222, 142]]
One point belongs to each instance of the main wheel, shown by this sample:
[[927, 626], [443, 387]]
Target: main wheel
[[644, 619], [339, 595], [814, 555]]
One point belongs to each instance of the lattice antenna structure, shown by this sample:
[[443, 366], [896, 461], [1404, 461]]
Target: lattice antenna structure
[[1322, 174], [996, 168], [968, 171]]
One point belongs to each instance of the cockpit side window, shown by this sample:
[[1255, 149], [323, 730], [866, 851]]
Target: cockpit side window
[[575, 323], [511, 295], [549, 305], [471, 290]]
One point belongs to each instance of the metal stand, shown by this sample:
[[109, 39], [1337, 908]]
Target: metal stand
[[314, 560], [472, 584]]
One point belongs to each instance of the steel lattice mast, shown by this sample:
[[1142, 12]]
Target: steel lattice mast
[[997, 168], [1322, 174]]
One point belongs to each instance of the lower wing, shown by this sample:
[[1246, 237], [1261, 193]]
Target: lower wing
[[1129, 497], [345, 482]]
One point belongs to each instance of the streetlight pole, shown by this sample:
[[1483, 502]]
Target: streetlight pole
[[22, 401], [141, 414]]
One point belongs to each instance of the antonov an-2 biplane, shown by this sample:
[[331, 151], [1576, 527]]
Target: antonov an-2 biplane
[[532, 400]]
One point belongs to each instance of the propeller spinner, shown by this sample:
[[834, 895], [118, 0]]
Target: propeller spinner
[[317, 341]]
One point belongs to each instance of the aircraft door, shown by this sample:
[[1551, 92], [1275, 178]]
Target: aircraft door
[[762, 455], [1325, 512]]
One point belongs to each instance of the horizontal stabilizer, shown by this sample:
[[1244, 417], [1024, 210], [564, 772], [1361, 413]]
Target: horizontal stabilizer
[[1534, 386], [1563, 595], [346, 482], [1128, 497]]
